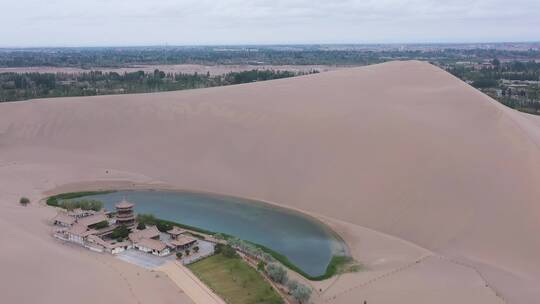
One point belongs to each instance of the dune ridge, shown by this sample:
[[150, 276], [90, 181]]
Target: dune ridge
[[402, 147]]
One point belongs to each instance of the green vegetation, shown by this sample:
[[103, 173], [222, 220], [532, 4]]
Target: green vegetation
[[56, 200], [337, 263], [163, 226], [515, 84], [119, 233], [225, 250], [24, 201], [141, 226], [100, 225], [301, 293], [277, 273], [179, 255], [84, 204], [21, 86], [234, 280], [149, 219]]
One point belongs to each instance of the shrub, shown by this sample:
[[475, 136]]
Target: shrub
[[292, 285], [218, 248], [83, 204], [163, 227], [277, 273], [188, 252], [301, 293], [196, 249], [24, 201], [120, 232], [179, 255], [147, 219], [229, 252], [261, 266], [141, 226], [100, 225]]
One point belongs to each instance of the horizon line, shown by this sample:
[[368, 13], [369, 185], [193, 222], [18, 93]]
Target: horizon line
[[268, 44]]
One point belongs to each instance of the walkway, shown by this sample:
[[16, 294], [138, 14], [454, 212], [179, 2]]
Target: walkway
[[190, 284]]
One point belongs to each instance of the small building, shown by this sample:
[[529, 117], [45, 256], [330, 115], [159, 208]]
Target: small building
[[147, 233], [152, 246], [91, 220], [183, 242], [175, 232], [63, 219], [111, 247], [125, 214], [78, 233], [80, 213]]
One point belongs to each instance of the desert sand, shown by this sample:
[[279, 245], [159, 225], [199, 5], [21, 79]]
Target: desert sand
[[432, 184]]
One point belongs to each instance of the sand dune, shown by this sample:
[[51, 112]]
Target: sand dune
[[402, 148]]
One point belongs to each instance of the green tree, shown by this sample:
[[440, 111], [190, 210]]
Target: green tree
[[163, 227], [120, 232], [196, 249], [141, 226], [301, 293], [261, 266], [179, 255], [277, 273], [292, 285], [24, 201], [100, 225], [228, 251]]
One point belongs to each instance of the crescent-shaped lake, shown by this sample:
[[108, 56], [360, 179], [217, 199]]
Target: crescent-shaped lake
[[305, 241]]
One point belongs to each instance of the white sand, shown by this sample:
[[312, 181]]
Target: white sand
[[402, 148]]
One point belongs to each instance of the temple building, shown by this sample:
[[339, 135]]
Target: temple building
[[125, 214]]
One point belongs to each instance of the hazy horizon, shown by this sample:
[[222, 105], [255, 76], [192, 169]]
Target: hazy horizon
[[268, 44], [63, 23]]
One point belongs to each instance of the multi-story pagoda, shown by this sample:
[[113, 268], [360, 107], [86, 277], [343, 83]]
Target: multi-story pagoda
[[124, 213]]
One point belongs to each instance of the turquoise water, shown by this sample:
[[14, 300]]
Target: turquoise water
[[306, 242]]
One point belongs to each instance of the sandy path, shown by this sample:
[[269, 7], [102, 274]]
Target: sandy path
[[187, 281]]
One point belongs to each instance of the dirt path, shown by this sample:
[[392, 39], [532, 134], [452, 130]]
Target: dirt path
[[190, 284]]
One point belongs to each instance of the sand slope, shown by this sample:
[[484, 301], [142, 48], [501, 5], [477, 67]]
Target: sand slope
[[403, 148]]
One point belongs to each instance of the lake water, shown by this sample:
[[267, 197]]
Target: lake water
[[306, 242]]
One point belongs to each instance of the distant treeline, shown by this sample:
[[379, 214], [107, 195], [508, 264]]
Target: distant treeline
[[274, 55], [22, 86]]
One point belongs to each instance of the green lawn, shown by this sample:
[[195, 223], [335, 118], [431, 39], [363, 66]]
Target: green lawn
[[235, 281]]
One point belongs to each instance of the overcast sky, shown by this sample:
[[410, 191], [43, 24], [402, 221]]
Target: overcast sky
[[192, 22]]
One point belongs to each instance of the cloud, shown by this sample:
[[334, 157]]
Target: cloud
[[137, 22]]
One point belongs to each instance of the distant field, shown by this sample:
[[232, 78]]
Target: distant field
[[218, 69], [235, 281]]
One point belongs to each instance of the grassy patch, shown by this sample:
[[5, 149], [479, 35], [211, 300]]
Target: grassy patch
[[55, 199], [235, 281]]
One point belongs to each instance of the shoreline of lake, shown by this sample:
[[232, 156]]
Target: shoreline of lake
[[334, 237]]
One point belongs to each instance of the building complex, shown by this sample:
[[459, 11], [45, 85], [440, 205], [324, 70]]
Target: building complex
[[95, 231]]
